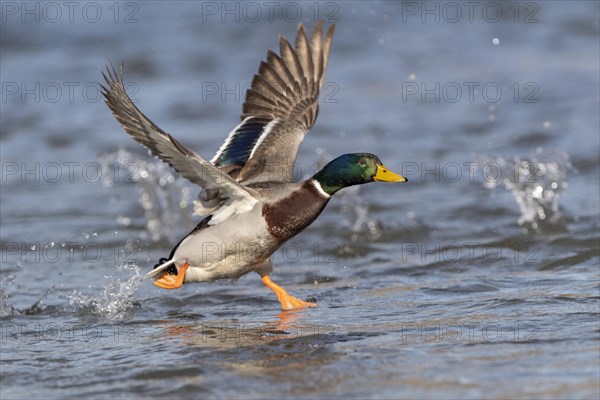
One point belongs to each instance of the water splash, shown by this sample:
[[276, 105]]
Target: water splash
[[116, 299], [5, 308], [536, 184], [38, 307], [164, 196], [354, 204]]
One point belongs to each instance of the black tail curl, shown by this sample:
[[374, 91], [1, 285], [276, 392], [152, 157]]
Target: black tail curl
[[171, 269]]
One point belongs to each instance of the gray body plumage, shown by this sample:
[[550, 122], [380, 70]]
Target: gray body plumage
[[233, 248]]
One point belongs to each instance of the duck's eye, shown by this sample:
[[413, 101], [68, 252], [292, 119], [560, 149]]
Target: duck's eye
[[362, 162]]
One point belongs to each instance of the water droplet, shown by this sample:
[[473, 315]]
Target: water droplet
[[491, 117], [547, 124], [412, 77], [380, 41], [496, 41], [124, 220]]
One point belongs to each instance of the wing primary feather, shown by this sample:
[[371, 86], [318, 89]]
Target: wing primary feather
[[316, 48], [291, 59], [271, 75], [326, 48], [304, 54]]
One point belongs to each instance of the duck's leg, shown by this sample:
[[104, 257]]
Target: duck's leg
[[287, 302], [168, 281]]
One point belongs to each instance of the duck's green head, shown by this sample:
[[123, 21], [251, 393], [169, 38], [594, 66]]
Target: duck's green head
[[354, 169]]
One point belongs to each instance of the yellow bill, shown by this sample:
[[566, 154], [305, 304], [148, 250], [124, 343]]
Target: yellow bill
[[385, 175]]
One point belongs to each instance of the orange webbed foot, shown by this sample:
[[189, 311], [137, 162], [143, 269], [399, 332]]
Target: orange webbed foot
[[292, 303], [287, 302], [168, 281]]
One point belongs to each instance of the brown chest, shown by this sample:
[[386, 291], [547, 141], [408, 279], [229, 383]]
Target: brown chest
[[290, 215]]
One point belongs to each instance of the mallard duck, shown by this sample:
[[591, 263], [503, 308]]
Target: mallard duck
[[249, 200]]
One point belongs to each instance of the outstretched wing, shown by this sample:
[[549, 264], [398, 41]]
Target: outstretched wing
[[236, 198], [280, 108]]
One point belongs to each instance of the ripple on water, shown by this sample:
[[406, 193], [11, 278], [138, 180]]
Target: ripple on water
[[459, 289]]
